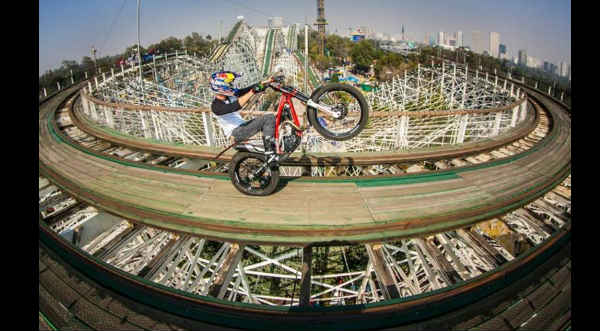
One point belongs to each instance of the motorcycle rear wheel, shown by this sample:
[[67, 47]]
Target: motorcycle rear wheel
[[243, 164]]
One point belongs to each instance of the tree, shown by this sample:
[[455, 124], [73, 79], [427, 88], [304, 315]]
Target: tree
[[69, 65], [87, 63], [363, 54], [322, 62], [132, 50], [335, 78]]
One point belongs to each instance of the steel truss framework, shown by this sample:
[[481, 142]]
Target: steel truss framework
[[393, 126], [400, 119], [272, 275]]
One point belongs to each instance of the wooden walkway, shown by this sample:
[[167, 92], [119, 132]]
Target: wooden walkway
[[307, 211]]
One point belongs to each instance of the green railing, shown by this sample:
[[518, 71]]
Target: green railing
[[314, 81], [268, 51]]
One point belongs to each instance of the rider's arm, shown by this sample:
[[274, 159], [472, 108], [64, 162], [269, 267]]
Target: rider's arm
[[251, 87], [244, 90], [244, 98], [219, 107], [248, 92]]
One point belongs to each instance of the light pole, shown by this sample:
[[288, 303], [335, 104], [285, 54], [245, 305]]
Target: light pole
[[306, 58], [139, 52]]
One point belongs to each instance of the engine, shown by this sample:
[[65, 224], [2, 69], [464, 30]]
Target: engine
[[291, 142], [289, 139]]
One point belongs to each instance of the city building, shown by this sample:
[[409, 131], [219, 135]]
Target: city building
[[564, 70], [477, 42], [494, 44], [359, 34], [533, 62], [275, 22], [431, 39], [441, 38], [547, 66], [569, 72], [502, 52], [522, 57], [459, 39]]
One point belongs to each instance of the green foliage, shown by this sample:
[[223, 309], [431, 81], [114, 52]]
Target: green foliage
[[363, 54], [170, 44], [193, 43]]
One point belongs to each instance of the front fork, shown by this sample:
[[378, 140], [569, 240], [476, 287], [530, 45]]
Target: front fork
[[273, 159], [325, 109]]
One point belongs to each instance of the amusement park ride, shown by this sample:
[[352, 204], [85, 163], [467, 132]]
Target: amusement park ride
[[453, 187]]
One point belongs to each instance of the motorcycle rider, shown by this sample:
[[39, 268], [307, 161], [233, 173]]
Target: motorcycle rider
[[227, 103]]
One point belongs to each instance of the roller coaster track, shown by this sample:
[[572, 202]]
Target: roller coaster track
[[269, 42], [370, 219], [149, 195], [292, 37], [313, 79], [224, 47], [314, 159]]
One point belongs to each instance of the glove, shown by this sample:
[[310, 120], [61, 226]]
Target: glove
[[258, 88]]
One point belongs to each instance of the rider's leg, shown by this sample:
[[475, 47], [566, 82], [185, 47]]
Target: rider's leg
[[265, 123], [268, 130]]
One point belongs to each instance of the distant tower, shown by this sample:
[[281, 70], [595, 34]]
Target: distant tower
[[94, 57], [403, 32], [494, 43], [321, 22], [522, 57], [477, 46]]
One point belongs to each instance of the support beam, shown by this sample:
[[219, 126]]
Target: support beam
[[305, 282], [163, 258], [159, 258], [448, 273], [499, 258], [383, 272], [116, 243], [223, 277]]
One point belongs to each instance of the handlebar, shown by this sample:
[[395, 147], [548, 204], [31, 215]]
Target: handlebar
[[279, 79], [276, 83]]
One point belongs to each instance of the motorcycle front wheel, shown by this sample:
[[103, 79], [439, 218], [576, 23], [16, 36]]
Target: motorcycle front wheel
[[347, 100], [242, 174]]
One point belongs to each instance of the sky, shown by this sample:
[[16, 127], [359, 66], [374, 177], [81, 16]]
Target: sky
[[69, 28]]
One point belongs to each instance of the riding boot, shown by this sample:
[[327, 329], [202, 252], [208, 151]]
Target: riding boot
[[270, 152]]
